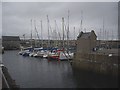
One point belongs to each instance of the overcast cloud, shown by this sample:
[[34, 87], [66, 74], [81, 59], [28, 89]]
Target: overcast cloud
[[16, 17], [0, 18]]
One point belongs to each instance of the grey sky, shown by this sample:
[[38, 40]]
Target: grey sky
[[0, 19], [16, 17]]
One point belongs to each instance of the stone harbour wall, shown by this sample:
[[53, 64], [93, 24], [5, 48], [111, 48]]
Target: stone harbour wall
[[98, 63]]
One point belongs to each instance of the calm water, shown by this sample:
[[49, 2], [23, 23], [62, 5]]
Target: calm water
[[30, 72]]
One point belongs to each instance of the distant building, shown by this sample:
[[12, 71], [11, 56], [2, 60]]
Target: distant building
[[108, 44], [10, 42], [86, 42], [53, 43]]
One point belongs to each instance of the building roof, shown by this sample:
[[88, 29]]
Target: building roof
[[10, 38], [86, 34]]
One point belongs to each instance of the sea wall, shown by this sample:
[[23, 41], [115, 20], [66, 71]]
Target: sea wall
[[99, 63], [11, 83]]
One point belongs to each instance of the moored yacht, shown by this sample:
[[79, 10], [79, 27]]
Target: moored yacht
[[61, 55]]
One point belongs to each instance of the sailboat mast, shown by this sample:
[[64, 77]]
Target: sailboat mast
[[48, 32], [112, 34], [31, 32], [74, 33], [103, 29], [81, 21], [68, 32], [63, 31], [105, 35], [112, 39], [35, 33], [41, 33], [55, 35], [108, 35], [100, 34]]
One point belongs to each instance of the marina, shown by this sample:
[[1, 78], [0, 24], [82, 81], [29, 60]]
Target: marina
[[29, 72], [59, 45]]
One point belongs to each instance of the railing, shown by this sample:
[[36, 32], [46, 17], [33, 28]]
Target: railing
[[7, 85], [8, 82]]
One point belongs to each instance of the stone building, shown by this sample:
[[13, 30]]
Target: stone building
[[86, 42], [11, 42], [103, 61]]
